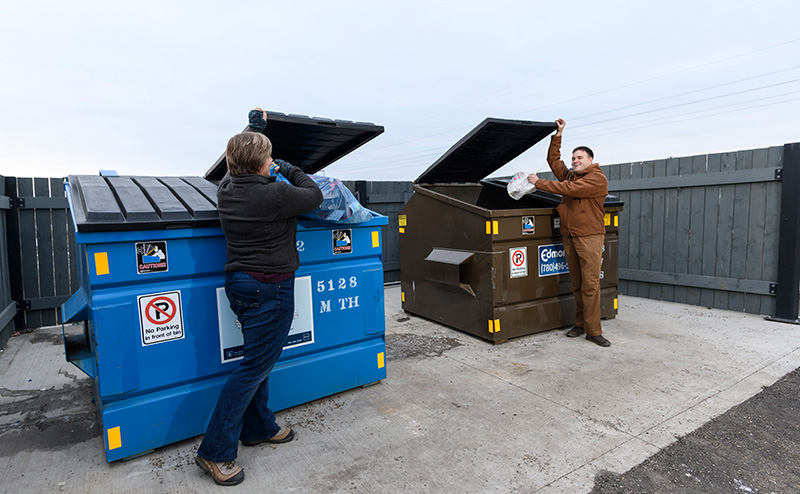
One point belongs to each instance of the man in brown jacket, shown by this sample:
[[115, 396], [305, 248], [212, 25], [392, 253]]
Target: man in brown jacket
[[583, 190]]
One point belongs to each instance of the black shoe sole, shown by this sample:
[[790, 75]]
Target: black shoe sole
[[286, 439], [605, 344], [574, 335]]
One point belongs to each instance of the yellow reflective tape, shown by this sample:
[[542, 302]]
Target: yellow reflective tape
[[615, 304], [488, 227], [114, 438], [101, 263], [497, 325], [376, 239], [495, 227], [402, 230], [402, 220], [402, 296], [491, 326], [616, 220], [380, 360], [607, 219]]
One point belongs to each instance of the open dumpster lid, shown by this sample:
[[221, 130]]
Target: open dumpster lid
[[311, 143], [108, 204], [489, 146]]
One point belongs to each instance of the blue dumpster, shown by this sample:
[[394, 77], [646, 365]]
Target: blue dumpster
[[159, 339]]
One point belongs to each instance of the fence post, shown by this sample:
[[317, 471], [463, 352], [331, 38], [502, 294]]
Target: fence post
[[787, 296], [14, 255]]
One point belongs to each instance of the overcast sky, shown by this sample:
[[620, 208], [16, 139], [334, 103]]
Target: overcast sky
[[157, 88]]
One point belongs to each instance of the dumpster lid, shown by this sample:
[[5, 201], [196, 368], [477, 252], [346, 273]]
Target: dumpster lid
[[108, 204], [489, 146], [310, 143]]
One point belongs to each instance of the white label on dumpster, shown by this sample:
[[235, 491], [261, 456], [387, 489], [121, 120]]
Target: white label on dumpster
[[301, 332], [518, 260], [552, 260], [161, 317]]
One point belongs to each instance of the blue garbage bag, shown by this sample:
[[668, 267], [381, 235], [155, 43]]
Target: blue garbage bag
[[339, 205]]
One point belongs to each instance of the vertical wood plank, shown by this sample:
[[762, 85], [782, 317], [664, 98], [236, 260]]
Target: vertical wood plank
[[44, 250], [61, 261], [670, 228], [725, 231], [772, 229], [623, 232], [741, 216], [646, 229], [634, 233], [684, 207], [5, 282], [696, 231], [710, 222], [756, 231], [657, 251]]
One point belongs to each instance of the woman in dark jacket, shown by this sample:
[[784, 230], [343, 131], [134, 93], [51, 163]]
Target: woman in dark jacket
[[258, 216]]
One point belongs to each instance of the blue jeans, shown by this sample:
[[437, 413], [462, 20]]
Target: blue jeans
[[265, 311]]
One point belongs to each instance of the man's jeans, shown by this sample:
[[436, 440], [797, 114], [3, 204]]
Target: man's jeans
[[265, 312]]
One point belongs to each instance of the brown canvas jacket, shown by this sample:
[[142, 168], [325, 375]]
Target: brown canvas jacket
[[581, 209]]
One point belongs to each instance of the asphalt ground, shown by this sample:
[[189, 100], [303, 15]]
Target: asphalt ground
[[754, 447]]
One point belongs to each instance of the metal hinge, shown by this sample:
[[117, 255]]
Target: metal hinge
[[23, 305], [779, 174], [773, 288]]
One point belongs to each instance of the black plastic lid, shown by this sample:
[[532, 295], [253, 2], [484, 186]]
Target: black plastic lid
[[311, 143], [489, 146], [107, 204]]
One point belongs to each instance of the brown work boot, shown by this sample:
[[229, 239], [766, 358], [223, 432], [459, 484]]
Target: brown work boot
[[575, 332], [283, 436], [224, 473]]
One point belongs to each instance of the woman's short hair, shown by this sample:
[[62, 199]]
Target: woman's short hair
[[247, 152]]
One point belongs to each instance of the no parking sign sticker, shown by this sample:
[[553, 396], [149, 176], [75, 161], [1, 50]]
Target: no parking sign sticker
[[518, 259], [161, 317]]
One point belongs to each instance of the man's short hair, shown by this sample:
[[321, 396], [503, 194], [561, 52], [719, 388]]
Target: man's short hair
[[585, 149], [247, 152]]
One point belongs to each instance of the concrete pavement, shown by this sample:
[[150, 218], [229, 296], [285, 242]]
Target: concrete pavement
[[539, 414]]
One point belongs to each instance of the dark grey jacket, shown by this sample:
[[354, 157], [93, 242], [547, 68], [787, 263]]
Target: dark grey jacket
[[258, 216]]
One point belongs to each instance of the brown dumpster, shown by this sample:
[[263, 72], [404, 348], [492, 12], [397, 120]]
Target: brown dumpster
[[473, 258]]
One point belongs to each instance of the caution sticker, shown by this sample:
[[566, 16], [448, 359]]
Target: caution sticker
[[518, 258], [161, 317], [151, 257], [528, 225], [342, 241]]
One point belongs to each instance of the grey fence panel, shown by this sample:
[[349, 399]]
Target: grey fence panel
[[7, 305], [386, 198], [704, 231]]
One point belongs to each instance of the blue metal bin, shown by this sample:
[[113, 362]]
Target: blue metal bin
[[159, 339]]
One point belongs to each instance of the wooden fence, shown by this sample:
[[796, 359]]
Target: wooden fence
[[39, 258], [711, 230]]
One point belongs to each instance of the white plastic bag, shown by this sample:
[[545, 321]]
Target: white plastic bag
[[518, 186]]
